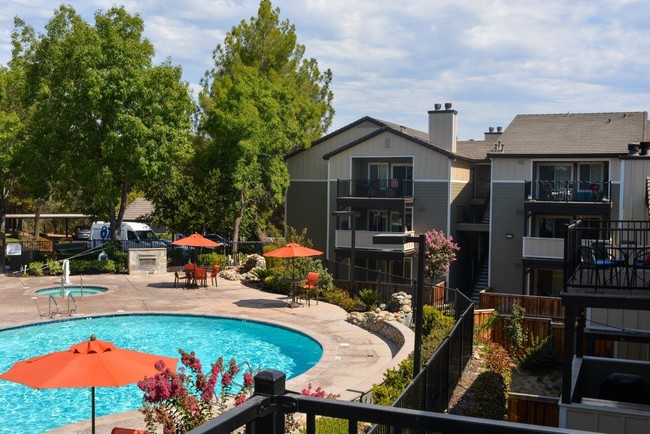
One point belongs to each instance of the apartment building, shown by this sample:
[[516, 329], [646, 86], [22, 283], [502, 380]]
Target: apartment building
[[391, 179], [506, 199]]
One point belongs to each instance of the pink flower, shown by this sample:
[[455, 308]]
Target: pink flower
[[225, 379], [240, 399], [248, 379]]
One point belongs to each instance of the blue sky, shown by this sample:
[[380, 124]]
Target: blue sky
[[392, 60]]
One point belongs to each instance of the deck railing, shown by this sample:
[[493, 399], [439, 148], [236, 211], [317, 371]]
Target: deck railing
[[374, 188], [608, 255], [568, 191], [264, 413]]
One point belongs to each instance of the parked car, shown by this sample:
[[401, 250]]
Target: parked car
[[81, 233]]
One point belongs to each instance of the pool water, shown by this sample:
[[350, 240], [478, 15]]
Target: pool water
[[76, 291], [23, 409]]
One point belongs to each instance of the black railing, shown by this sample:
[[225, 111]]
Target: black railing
[[265, 412], [607, 254], [370, 188], [568, 191]]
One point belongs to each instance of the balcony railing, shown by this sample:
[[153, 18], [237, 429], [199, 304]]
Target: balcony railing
[[374, 188], [608, 255], [264, 413], [545, 248], [363, 240], [568, 191]]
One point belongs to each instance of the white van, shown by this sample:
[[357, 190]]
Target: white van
[[135, 234]]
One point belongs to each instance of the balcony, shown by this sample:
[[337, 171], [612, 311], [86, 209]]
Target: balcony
[[374, 188], [363, 240], [543, 248], [568, 191]]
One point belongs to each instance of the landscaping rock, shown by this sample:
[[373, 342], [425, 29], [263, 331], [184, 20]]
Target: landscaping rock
[[254, 261]]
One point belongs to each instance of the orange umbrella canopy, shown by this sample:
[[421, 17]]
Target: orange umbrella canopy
[[91, 363], [195, 240], [292, 250]]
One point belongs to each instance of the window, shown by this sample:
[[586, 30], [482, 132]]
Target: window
[[378, 171], [408, 267], [555, 172], [591, 172], [378, 220], [552, 227]]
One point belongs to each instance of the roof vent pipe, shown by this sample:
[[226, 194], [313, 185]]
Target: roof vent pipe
[[491, 129], [499, 129], [633, 149], [437, 106], [447, 106]]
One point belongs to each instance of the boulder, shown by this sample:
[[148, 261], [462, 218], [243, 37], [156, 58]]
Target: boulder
[[254, 261]]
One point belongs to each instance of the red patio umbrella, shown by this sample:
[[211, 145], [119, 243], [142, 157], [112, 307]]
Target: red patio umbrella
[[91, 363]]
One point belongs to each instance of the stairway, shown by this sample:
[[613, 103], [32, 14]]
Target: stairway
[[481, 283], [486, 214]]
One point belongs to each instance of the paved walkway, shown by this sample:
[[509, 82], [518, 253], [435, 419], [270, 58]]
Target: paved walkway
[[353, 359]]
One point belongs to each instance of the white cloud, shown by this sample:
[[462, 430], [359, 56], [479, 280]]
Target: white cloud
[[393, 60]]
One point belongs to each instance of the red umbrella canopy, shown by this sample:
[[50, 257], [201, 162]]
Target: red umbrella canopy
[[91, 363], [195, 240], [292, 250]]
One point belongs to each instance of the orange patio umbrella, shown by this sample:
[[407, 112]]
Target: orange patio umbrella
[[292, 250], [91, 363], [195, 240]]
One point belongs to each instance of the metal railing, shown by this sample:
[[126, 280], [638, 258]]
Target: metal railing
[[607, 254], [264, 413], [379, 188], [568, 191]]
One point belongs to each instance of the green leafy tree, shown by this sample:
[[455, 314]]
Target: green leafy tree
[[261, 100], [103, 116]]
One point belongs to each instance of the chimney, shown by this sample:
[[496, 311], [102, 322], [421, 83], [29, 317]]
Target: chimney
[[442, 127], [491, 135]]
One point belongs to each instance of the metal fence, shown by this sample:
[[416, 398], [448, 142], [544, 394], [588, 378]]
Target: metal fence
[[432, 388]]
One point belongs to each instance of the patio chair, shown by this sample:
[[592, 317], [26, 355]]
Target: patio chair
[[200, 277], [640, 263], [310, 287], [178, 278], [598, 259], [213, 274], [117, 430]]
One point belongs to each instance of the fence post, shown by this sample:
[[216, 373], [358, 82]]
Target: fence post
[[270, 382]]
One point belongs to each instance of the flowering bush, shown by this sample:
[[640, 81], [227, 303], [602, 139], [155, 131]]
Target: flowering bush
[[181, 401], [291, 424], [440, 252]]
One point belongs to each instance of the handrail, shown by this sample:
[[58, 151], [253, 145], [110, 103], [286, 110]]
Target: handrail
[[70, 296], [49, 307]]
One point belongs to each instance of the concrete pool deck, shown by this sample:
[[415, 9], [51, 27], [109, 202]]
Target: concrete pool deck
[[353, 359]]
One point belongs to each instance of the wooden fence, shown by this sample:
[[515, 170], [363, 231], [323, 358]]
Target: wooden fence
[[547, 307], [533, 409]]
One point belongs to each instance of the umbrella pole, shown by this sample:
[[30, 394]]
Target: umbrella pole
[[92, 397]]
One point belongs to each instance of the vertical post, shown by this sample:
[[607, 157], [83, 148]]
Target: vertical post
[[419, 298], [353, 217], [3, 253], [270, 382], [569, 347]]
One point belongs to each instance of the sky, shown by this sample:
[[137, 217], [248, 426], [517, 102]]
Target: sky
[[393, 60]]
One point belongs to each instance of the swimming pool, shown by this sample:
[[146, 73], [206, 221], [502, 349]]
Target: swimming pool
[[23, 409], [76, 291]]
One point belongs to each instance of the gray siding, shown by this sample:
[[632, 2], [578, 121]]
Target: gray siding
[[505, 254], [307, 208], [430, 204]]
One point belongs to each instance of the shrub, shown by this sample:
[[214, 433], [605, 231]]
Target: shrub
[[91, 267], [514, 332], [540, 356], [395, 381], [260, 273], [340, 298], [276, 285], [35, 269], [433, 318], [369, 297], [212, 258], [55, 268]]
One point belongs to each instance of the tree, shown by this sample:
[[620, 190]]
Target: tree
[[440, 252], [261, 100], [107, 118]]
